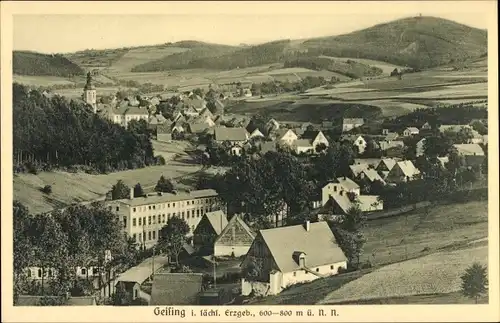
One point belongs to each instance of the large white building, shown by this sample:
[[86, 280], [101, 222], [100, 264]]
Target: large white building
[[143, 217]]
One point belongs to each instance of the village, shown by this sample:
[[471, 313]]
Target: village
[[199, 249]]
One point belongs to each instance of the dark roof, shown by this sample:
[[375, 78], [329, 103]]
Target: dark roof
[[310, 134], [176, 289]]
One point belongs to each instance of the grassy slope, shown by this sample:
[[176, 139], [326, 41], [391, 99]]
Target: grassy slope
[[417, 41], [36, 64], [69, 188]]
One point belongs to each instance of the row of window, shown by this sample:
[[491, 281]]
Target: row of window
[[51, 274], [162, 218], [151, 235], [168, 205], [317, 270]]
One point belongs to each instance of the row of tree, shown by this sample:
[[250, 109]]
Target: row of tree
[[59, 133]]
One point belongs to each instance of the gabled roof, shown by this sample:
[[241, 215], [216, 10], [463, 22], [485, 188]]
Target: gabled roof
[[206, 113], [157, 119], [217, 219], [176, 288], [318, 244], [303, 143], [256, 133], [358, 169], [283, 131], [196, 103], [310, 134], [372, 175], [236, 219], [469, 149], [198, 127], [408, 168], [389, 163], [231, 134], [347, 183], [391, 136], [413, 129], [143, 271], [130, 110], [164, 128]]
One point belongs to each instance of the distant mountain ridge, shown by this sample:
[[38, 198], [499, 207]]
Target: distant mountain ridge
[[418, 42]]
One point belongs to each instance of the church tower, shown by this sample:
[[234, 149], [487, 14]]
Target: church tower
[[90, 93]]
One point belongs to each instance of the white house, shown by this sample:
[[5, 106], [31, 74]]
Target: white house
[[286, 136], [469, 149], [289, 255], [340, 184], [411, 131], [403, 171], [351, 123]]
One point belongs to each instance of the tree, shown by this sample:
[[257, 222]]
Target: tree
[[172, 237], [23, 256], [121, 297], [120, 191], [164, 185], [138, 191], [480, 127], [475, 281]]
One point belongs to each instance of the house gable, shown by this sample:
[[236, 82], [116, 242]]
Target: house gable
[[261, 255], [235, 233]]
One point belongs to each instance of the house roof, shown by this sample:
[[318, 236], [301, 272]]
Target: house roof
[[198, 127], [196, 103], [217, 219], [310, 134], [413, 129], [267, 146], [453, 127], [303, 143], [408, 168], [176, 288], [391, 136], [469, 149], [130, 110], [31, 300], [347, 183], [234, 219], [143, 271], [358, 169], [282, 131], [385, 145], [318, 244], [389, 162], [257, 132], [372, 175], [231, 134], [157, 119], [368, 161], [353, 121], [206, 113], [168, 197]]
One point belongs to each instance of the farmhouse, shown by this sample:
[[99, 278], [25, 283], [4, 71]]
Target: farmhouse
[[357, 141], [281, 257], [316, 137], [124, 114], [197, 128], [286, 136], [176, 289], [207, 230], [385, 165], [233, 135], [341, 184], [411, 131], [403, 171], [469, 149], [340, 203], [351, 123], [235, 240]]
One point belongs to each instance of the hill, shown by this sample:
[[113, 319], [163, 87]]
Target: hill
[[36, 64], [419, 42]]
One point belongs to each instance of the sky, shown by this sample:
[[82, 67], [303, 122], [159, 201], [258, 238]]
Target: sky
[[62, 33]]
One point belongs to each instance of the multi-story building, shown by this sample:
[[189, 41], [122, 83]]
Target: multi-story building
[[143, 217]]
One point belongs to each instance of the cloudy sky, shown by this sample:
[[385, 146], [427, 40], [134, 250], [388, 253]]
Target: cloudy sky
[[251, 23]]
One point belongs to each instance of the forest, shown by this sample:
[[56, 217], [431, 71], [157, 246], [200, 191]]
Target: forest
[[55, 133]]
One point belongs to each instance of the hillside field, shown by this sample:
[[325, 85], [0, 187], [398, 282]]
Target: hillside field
[[70, 188]]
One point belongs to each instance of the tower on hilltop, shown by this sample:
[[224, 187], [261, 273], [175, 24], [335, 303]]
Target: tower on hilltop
[[90, 93]]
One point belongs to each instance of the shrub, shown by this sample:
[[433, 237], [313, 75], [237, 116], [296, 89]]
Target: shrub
[[47, 189]]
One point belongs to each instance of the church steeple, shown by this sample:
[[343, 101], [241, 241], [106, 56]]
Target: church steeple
[[90, 93]]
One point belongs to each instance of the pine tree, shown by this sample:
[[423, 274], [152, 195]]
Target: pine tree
[[475, 281]]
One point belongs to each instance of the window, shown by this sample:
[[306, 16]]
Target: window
[[198, 213], [140, 221], [173, 204], [149, 207], [124, 222], [149, 235], [317, 270], [140, 236], [134, 222], [39, 273], [133, 210], [335, 188], [154, 235], [163, 216], [29, 273], [183, 215], [188, 214], [135, 293], [84, 271], [168, 205], [154, 219], [187, 202], [168, 216], [134, 236], [154, 207], [149, 220], [294, 274], [144, 221], [331, 267], [192, 228], [117, 208]]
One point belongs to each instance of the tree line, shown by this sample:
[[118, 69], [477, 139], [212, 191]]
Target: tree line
[[50, 133]]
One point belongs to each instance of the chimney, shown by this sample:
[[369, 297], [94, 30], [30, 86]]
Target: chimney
[[131, 193], [308, 225]]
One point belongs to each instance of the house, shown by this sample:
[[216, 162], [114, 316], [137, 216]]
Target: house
[[197, 128], [177, 127], [124, 114], [403, 171], [157, 119], [385, 165], [420, 147], [286, 136], [469, 149], [341, 184], [390, 136], [190, 111], [304, 146], [357, 141], [426, 126], [178, 117], [195, 102], [30, 300], [386, 145], [316, 137], [256, 134], [206, 113], [289, 255], [176, 289], [369, 161], [364, 171], [207, 230], [235, 240], [411, 131], [351, 123], [340, 203], [233, 135], [453, 128], [267, 146]]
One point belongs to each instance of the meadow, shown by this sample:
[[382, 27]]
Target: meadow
[[40, 80], [70, 188], [386, 68]]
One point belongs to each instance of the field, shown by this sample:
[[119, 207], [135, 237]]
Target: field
[[40, 80], [70, 188], [143, 55], [416, 234], [386, 68], [438, 273]]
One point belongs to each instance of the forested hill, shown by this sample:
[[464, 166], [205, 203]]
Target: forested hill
[[419, 42], [57, 133], [36, 64]]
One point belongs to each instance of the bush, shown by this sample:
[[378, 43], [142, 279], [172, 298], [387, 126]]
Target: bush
[[47, 189]]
